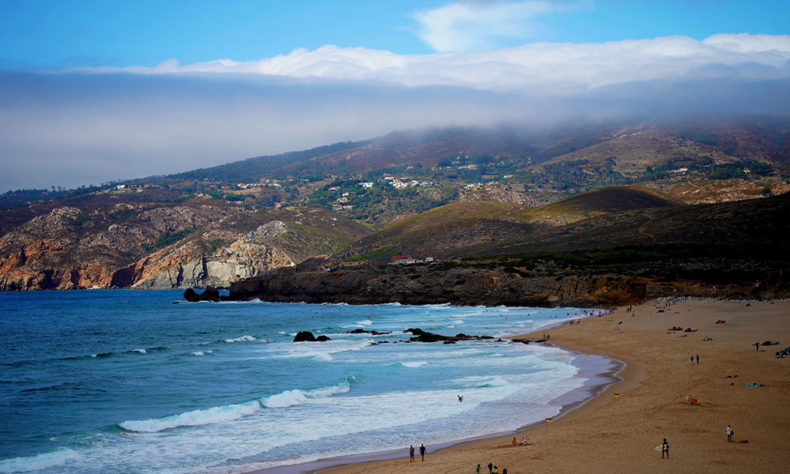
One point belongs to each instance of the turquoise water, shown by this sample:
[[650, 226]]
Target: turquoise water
[[139, 381]]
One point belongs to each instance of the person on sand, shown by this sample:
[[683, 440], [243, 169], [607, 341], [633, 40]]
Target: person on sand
[[422, 452], [692, 360], [729, 434], [697, 359], [490, 467], [514, 440], [664, 449], [411, 453], [524, 441], [477, 469]]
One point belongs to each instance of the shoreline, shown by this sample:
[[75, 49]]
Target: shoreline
[[597, 380], [619, 434]]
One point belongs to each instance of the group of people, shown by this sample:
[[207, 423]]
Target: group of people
[[411, 452], [491, 469]]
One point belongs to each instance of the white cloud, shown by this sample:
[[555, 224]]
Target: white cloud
[[481, 25], [114, 123], [537, 68]]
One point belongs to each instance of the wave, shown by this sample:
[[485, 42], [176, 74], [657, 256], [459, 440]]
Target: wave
[[40, 462], [201, 353], [290, 398], [221, 414], [415, 364], [226, 413], [244, 338], [366, 322]]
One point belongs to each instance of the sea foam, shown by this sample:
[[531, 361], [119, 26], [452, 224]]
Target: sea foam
[[290, 398], [221, 414], [40, 462], [226, 413]]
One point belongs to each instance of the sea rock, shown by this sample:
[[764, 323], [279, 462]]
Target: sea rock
[[304, 336], [209, 294], [424, 336], [364, 331]]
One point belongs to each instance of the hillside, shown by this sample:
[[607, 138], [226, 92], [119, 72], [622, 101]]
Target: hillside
[[731, 250], [196, 243], [434, 193], [446, 231]]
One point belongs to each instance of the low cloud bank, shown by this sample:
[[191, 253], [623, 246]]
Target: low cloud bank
[[94, 125]]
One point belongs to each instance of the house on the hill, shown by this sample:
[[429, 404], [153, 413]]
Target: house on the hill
[[402, 260]]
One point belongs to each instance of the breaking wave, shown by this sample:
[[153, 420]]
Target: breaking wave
[[226, 413]]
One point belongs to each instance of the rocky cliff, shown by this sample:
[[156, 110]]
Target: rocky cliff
[[435, 284], [148, 246]]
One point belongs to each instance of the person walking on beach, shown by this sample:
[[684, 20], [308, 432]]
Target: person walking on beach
[[664, 449], [729, 434], [692, 360], [422, 452], [697, 359], [477, 469], [411, 453], [490, 467]]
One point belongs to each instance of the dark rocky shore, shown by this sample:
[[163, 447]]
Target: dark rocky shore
[[464, 285]]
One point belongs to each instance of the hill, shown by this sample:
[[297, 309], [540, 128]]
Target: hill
[[445, 231], [731, 250], [440, 193]]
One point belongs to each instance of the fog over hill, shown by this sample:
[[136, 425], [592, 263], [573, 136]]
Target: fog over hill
[[88, 126]]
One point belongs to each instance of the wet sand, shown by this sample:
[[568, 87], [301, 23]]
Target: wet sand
[[620, 433]]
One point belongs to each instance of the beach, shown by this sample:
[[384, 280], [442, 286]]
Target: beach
[[664, 393]]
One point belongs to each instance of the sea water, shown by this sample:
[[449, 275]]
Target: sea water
[[141, 381]]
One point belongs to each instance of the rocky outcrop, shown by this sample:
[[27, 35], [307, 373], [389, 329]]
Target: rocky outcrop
[[209, 294], [307, 336], [431, 284], [425, 336], [161, 247], [186, 266]]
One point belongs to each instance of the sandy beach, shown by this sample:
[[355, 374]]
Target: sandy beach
[[620, 429]]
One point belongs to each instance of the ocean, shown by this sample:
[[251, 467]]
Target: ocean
[[141, 381]]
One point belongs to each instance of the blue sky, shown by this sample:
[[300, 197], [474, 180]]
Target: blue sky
[[88, 87], [36, 34]]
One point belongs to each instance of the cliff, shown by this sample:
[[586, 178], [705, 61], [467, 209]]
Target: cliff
[[150, 246]]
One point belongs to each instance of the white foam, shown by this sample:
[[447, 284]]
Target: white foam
[[244, 338], [415, 364], [221, 414], [290, 398], [201, 353], [366, 322], [40, 462], [141, 351]]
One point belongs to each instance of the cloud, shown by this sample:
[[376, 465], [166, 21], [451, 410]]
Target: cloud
[[93, 125], [482, 25], [539, 68]]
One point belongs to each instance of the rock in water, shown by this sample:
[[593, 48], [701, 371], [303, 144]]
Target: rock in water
[[209, 294], [191, 296], [304, 336]]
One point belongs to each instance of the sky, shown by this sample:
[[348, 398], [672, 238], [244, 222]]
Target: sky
[[98, 91]]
